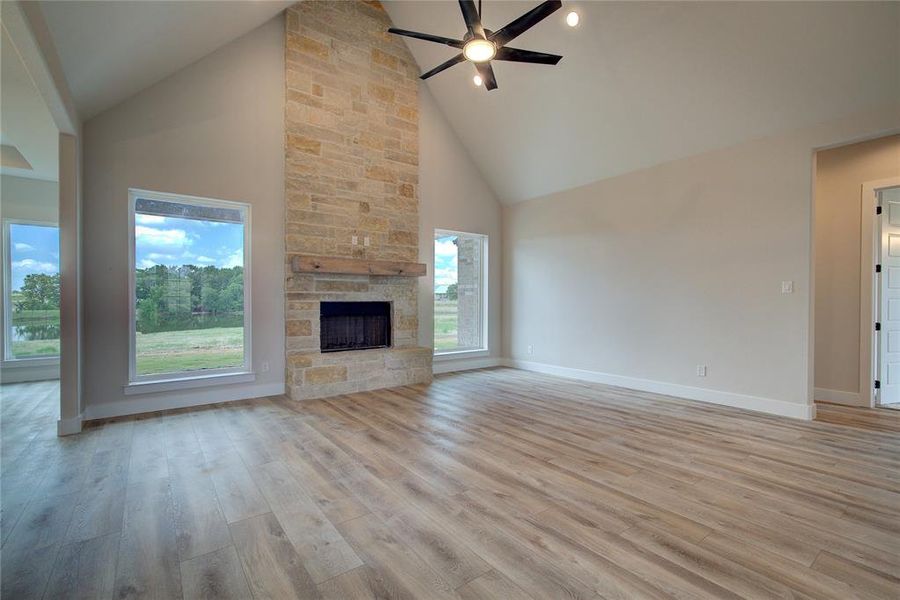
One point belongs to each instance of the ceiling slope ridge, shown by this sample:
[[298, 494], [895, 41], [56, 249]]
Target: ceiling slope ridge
[[457, 141], [878, 115]]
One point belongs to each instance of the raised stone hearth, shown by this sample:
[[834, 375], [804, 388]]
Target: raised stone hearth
[[351, 170]]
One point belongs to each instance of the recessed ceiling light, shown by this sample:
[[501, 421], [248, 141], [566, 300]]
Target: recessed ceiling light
[[477, 80], [572, 19]]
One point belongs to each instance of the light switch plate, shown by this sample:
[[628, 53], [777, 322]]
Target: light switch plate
[[787, 287]]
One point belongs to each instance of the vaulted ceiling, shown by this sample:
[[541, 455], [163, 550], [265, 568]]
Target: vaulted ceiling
[[112, 49], [644, 83], [640, 83]]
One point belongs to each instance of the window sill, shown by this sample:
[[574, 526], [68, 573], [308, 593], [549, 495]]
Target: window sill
[[51, 361], [183, 383], [444, 356]]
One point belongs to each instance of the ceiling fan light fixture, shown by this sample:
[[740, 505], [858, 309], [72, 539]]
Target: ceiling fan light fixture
[[477, 80], [479, 50], [572, 19]]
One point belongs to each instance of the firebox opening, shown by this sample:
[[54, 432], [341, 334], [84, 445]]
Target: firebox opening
[[354, 325]]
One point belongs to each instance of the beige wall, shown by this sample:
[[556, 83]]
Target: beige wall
[[453, 195], [840, 173], [637, 279], [213, 129], [29, 199]]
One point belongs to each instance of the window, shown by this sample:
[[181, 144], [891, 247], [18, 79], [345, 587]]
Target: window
[[460, 263], [190, 287], [31, 296]]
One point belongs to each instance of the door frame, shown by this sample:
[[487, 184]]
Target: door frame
[[868, 296]]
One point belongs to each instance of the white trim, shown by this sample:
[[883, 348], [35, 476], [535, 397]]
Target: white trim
[[757, 403], [133, 377], [868, 300], [202, 397], [68, 426], [185, 383], [465, 364], [839, 397], [460, 354]]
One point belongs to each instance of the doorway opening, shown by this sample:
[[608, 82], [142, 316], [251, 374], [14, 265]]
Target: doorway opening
[[886, 293], [30, 261], [848, 182]]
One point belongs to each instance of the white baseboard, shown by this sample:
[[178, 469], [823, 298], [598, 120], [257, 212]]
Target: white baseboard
[[465, 364], [838, 397], [757, 403], [68, 426], [153, 403]]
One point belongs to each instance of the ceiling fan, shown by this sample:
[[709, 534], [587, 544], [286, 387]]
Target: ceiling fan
[[480, 45]]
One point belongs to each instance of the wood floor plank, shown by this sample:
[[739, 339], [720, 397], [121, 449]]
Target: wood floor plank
[[491, 586], [393, 560], [85, 570], [873, 583], [200, 524], [362, 583], [24, 572], [148, 552], [272, 566], [238, 495], [323, 551], [98, 510], [214, 576]]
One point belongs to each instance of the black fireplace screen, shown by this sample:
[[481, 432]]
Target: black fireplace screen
[[354, 325]]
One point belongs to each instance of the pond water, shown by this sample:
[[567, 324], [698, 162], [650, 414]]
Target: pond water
[[41, 331]]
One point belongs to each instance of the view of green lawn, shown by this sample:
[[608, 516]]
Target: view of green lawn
[[193, 349], [39, 330], [445, 325]]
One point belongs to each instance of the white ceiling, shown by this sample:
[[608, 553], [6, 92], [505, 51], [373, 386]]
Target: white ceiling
[[644, 83], [112, 49], [25, 121]]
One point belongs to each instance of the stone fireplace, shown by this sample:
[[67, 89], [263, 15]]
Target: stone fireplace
[[351, 204]]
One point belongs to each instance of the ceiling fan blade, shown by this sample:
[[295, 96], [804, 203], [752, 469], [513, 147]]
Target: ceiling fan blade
[[444, 65], [427, 37], [471, 17], [527, 56], [525, 22], [486, 71]]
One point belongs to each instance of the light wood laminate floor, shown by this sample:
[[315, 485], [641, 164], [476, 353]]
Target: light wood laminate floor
[[486, 484]]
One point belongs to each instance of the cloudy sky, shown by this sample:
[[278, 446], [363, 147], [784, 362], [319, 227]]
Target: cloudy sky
[[444, 263], [173, 242], [33, 249]]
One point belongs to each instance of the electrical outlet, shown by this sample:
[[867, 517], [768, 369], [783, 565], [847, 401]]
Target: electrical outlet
[[366, 241], [701, 370], [354, 240], [530, 349], [787, 287], [265, 367]]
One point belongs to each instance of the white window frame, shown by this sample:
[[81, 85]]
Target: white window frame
[[7, 294], [483, 286], [185, 379]]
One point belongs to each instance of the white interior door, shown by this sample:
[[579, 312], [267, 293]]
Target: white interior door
[[889, 298]]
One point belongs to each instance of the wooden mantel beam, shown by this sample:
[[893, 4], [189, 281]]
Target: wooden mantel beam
[[301, 263]]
